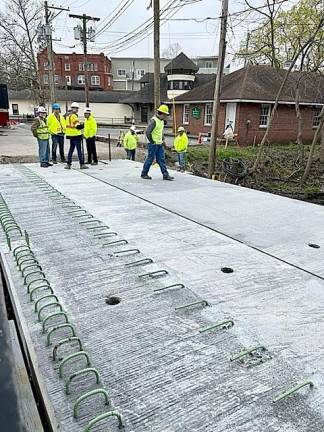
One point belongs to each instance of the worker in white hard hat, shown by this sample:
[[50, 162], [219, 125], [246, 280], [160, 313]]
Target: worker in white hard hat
[[90, 132], [74, 134], [155, 136], [181, 147], [130, 143], [40, 131]]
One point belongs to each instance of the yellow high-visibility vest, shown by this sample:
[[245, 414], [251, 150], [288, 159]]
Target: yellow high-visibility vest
[[157, 133], [181, 143], [56, 125], [72, 121], [130, 141]]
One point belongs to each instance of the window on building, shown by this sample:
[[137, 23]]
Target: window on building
[[56, 79], [121, 72], [67, 67], [81, 67], [81, 80], [46, 65], [264, 115], [209, 64], [208, 114], [186, 114], [45, 79], [95, 80], [15, 109], [109, 81], [95, 67], [316, 118], [68, 80], [140, 73]]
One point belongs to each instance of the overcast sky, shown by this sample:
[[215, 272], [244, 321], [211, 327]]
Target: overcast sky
[[195, 38]]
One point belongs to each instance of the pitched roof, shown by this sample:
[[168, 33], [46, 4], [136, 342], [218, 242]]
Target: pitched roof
[[112, 96], [181, 63], [261, 83], [146, 94]]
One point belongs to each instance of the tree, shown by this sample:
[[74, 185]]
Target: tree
[[283, 32], [171, 51], [18, 31]]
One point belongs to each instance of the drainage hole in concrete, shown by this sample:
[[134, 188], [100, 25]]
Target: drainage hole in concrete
[[112, 300], [227, 270], [313, 245]]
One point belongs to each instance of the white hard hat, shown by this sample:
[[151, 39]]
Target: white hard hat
[[87, 110], [181, 129], [41, 109], [75, 105], [133, 128]]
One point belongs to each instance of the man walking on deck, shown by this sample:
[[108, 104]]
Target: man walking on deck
[[155, 136]]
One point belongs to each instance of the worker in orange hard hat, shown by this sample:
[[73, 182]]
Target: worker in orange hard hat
[[155, 136]]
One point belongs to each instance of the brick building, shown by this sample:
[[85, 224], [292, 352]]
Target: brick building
[[69, 69], [247, 98]]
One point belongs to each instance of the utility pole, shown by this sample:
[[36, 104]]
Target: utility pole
[[219, 78], [46, 32], [84, 38], [49, 46], [156, 12]]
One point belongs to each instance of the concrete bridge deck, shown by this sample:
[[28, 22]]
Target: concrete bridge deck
[[161, 372]]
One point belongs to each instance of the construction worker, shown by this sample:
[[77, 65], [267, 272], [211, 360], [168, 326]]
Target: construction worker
[[90, 132], [181, 147], [130, 143], [154, 134], [40, 131], [74, 134], [56, 126]]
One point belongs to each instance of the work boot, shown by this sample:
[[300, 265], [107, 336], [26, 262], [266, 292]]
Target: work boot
[[49, 164], [146, 177], [54, 162], [63, 160], [44, 165], [84, 166], [168, 177], [68, 166], [94, 163]]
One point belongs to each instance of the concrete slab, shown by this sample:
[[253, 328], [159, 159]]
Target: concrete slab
[[164, 375], [279, 226]]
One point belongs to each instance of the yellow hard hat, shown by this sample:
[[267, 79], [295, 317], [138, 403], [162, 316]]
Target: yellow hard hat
[[163, 109]]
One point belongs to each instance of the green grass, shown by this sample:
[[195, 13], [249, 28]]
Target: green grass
[[202, 153]]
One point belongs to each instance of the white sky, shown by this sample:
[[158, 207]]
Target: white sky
[[196, 39]]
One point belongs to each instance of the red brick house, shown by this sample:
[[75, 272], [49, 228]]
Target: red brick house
[[247, 97], [69, 69]]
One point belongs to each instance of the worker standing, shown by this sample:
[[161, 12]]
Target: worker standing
[[130, 143], [40, 131], [56, 126], [90, 132], [155, 136], [74, 134], [181, 147]]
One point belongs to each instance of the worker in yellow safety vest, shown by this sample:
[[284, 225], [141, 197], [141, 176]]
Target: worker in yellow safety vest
[[130, 143], [181, 147], [74, 134], [155, 136], [40, 131], [90, 132], [56, 127]]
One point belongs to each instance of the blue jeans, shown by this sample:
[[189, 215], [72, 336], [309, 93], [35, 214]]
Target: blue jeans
[[182, 160], [155, 151], [76, 142], [58, 140], [43, 151]]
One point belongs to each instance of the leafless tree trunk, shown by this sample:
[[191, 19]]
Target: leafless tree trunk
[[299, 124], [317, 135]]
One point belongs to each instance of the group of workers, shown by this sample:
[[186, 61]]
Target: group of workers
[[58, 127]]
